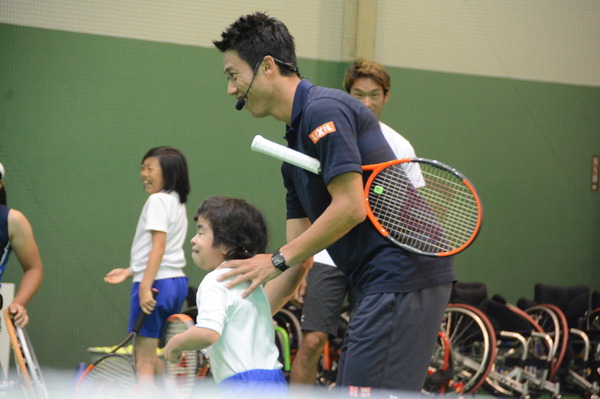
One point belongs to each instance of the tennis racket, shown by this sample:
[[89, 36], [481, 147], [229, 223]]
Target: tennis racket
[[113, 375], [180, 377], [28, 367], [441, 217]]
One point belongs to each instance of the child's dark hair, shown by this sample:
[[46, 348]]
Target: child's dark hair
[[257, 35], [236, 224], [174, 170]]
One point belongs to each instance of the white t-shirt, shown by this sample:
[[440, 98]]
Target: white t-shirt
[[247, 340], [402, 149], [162, 212]]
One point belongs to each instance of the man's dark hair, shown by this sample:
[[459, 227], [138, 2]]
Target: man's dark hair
[[257, 35], [236, 224]]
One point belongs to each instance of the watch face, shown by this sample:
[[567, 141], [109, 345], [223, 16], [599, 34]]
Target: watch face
[[278, 260]]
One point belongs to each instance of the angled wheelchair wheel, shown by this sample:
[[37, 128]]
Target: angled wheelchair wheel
[[554, 323], [465, 352], [289, 320]]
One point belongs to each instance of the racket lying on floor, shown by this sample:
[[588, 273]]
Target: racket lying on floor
[[180, 377], [113, 375], [439, 218], [28, 367]]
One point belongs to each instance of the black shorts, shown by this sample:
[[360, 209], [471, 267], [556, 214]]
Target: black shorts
[[326, 290], [390, 339]]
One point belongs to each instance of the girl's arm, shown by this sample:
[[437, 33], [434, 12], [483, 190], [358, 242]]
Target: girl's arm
[[195, 338], [159, 242], [23, 243], [280, 289]]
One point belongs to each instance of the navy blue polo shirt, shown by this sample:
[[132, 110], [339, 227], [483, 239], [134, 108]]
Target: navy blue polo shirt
[[5, 247], [343, 134]]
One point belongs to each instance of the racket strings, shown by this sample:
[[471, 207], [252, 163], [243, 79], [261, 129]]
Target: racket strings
[[446, 192], [112, 376], [438, 217], [181, 376], [403, 213]]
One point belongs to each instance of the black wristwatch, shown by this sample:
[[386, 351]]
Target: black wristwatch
[[279, 261]]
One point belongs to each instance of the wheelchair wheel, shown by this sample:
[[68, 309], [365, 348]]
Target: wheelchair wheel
[[288, 320], [462, 367], [554, 323]]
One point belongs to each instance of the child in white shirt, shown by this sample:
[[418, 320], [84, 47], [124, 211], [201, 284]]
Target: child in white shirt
[[237, 331]]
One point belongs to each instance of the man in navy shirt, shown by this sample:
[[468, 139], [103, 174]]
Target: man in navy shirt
[[401, 295]]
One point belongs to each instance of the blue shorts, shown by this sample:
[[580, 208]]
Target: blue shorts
[[172, 294], [266, 383]]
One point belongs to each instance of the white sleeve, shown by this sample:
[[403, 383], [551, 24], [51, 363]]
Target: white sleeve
[[403, 149], [212, 304], [157, 217]]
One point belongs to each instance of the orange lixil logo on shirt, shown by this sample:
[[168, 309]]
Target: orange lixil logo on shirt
[[322, 131]]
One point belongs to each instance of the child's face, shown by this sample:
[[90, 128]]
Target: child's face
[[205, 255], [152, 176]]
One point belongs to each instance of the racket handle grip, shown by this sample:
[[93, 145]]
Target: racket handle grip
[[139, 322], [285, 154]]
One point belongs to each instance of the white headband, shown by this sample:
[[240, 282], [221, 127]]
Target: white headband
[[1, 171]]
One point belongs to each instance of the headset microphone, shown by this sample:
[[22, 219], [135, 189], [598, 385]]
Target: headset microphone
[[242, 101]]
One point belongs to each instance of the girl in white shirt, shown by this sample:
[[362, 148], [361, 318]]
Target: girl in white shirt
[[157, 256]]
